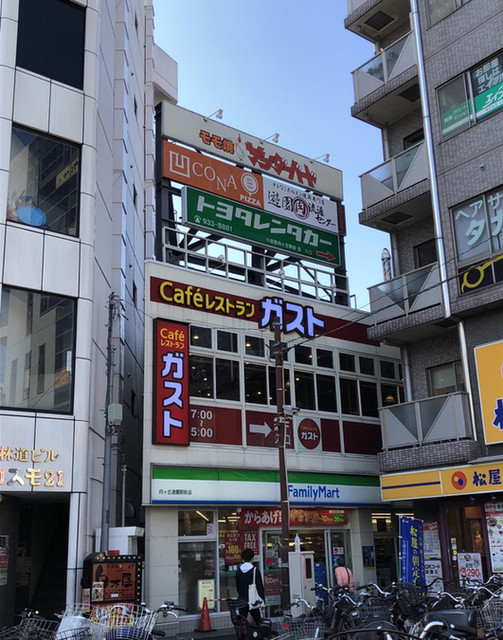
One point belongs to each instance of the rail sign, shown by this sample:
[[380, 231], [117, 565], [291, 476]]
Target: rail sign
[[228, 218]]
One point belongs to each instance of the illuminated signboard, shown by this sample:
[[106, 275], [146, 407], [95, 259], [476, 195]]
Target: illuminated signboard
[[241, 148], [171, 390], [223, 179], [489, 360], [210, 212]]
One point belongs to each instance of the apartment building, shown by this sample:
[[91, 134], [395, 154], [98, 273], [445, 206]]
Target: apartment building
[[77, 87], [434, 89]]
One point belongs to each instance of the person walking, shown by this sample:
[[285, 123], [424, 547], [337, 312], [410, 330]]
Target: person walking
[[343, 575], [244, 578]]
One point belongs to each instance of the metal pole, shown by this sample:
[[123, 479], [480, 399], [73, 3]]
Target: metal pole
[[283, 478], [107, 456]]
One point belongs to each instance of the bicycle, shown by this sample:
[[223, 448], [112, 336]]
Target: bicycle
[[32, 626]]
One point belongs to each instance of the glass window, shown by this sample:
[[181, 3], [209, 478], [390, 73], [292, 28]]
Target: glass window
[[304, 390], [195, 523], [36, 351], [227, 379], [347, 362], [325, 358], [389, 395], [43, 182], [446, 378], [425, 253], [197, 561], [368, 395], [227, 341], [387, 369], [325, 391], [303, 355], [487, 82], [349, 396], [455, 108], [50, 40], [254, 346], [477, 226], [255, 383], [200, 337], [366, 366], [439, 9], [201, 376]]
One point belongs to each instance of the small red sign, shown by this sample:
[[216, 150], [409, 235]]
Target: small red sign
[[171, 392]]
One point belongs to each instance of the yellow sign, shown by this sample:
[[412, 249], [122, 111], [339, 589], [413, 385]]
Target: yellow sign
[[489, 359], [451, 481], [206, 589], [411, 485]]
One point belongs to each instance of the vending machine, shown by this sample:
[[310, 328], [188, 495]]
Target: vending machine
[[301, 569]]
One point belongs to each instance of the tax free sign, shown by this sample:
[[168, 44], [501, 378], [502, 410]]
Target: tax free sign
[[214, 213]]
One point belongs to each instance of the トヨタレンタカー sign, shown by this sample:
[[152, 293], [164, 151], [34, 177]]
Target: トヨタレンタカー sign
[[213, 213]]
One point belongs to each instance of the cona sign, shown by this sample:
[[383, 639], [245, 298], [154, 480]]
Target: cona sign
[[171, 392]]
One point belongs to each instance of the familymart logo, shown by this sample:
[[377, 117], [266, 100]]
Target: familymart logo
[[320, 492]]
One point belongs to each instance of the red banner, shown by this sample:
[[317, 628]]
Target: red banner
[[171, 383]]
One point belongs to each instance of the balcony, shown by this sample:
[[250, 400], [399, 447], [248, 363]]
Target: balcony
[[433, 432], [386, 87], [397, 192], [376, 19], [408, 308]]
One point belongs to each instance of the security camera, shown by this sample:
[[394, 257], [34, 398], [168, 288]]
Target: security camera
[[288, 410]]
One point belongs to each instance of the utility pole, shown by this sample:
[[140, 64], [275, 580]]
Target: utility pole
[[107, 456], [283, 477]]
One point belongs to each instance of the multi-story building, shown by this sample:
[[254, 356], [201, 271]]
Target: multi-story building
[[77, 86], [434, 88]]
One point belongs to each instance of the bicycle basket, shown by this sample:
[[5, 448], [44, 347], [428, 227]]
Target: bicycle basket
[[38, 628], [127, 615], [311, 628], [375, 609], [126, 633], [490, 614]]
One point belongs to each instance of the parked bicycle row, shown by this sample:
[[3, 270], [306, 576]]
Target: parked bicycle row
[[121, 621]]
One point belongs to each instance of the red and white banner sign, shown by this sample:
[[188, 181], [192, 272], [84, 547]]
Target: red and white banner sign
[[171, 383]]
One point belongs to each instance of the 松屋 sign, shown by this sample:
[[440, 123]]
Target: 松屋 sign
[[217, 214], [171, 376]]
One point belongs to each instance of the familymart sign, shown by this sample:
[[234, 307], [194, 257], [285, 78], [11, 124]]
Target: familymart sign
[[217, 214], [175, 485]]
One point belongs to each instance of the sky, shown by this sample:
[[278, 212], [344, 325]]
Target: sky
[[283, 66]]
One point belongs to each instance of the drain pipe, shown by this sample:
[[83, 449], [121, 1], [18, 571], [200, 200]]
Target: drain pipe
[[428, 139]]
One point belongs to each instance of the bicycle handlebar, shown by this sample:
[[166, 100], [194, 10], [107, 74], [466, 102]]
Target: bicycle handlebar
[[448, 625]]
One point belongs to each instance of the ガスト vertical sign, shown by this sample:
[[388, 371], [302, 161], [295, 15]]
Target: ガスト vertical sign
[[171, 383]]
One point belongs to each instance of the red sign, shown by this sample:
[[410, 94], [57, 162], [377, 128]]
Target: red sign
[[299, 517], [209, 174], [233, 548], [218, 425], [261, 430], [308, 433], [171, 383]]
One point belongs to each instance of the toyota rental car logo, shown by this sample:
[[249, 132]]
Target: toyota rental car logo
[[458, 480]]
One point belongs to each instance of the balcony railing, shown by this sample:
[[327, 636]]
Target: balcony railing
[[354, 4], [438, 419], [402, 296], [389, 64], [395, 175]]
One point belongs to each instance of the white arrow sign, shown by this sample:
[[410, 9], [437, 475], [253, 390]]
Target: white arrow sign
[[264, 429]]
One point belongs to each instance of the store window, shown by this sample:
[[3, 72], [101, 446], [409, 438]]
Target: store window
[[439, 9], [446, 378], [368, 395], [227, 379], [347, 362], [325, 358], [50, 40], [477, 227], [304, 390], [254, 346], [201, 376], [387, 369], [471, 96], [200, 337], [227, 341], [366, 366], [303, 355], [325, 392], [255, 383], [36, 351], [43, 182], [349, 396], [425, 253]]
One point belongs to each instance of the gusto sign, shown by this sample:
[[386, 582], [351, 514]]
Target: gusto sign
[[171, 380]]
